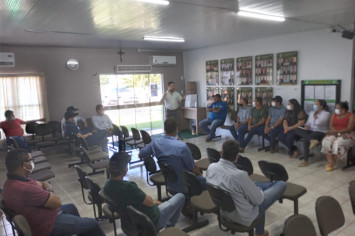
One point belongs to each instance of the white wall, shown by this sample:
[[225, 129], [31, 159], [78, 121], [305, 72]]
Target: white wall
[[321, 55]]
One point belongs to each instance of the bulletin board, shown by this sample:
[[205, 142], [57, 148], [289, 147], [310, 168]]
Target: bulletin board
[[227, 71], [312, 90]]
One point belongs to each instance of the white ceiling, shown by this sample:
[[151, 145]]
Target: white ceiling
[[123, 23]]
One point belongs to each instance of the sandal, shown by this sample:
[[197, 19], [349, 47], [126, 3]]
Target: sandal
[[304, 164], [329, 168]]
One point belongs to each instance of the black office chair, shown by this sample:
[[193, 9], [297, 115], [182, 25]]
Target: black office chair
[[97, 200], [243, 163], [43, 131], [169, 176], [198, 200], [213, 155], [126, 136], [352, 194], [147, 139], [137, 139], [202, 164], [297, 225], [154, 177], [224, 202], [83, 184]]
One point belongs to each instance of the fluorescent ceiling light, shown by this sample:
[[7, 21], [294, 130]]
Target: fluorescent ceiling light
[[161, 2], [260, 16], [164, 39]]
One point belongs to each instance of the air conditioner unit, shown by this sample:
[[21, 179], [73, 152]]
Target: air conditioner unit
[[135, 69], [163, 60], [7, 59]]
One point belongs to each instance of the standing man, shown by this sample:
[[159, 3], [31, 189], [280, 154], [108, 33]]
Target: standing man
[[12, 128], [241, 123], [273, 123], [172, 101], [217, 116], [251, 199]]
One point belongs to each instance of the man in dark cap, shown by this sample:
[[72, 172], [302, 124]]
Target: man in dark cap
[[42, 209], [127, 193], [76, 119], [217, 116]]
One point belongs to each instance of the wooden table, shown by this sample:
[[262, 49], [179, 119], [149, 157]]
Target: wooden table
[[193, 113]]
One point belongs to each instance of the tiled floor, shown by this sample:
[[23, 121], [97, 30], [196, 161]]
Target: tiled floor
[[314, 178]]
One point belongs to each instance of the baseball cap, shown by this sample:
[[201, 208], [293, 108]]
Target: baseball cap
[[70, 114], [217, 95], [72, 108]]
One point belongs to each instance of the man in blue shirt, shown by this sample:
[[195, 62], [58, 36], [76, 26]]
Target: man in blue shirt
[[175, 153], [240, 128], [217, 116], [273, 123]]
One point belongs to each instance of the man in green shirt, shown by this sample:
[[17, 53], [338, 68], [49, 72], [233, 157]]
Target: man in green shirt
[[256, 123], [127, 193]]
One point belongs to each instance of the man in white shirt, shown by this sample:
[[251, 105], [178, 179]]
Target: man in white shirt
[[101, 121], [251, 199], [172, 101]]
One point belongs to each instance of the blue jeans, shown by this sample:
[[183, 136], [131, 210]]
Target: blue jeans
[[288, 139], [271, 136], [170, 211], [272, 192], [214, 125], [69, 222], [21, 142], [239, 133], [257, 130], [98, 138]]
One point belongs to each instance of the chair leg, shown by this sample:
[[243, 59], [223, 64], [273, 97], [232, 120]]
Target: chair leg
[[84, 199], [93, 206], [159, 192], [295, 206], [251, 232], [114, 227], [196, 224]]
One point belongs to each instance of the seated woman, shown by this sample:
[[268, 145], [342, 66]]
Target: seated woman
[[294, 117], [340, 136], [315, 129]]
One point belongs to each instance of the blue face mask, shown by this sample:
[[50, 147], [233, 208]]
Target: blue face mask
[[315, 108]]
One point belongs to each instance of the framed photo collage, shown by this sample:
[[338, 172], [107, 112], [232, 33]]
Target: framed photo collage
[[233, 77]]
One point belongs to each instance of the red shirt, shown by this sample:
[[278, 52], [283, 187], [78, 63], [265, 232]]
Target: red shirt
[[23, 196], [341, 123], [12, 128]]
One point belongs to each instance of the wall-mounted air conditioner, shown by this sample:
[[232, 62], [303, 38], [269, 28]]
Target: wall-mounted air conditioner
[[163, 60], [7, 59], [135, 69]]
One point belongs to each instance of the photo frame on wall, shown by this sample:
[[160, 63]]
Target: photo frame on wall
[[264, 69], [212, 72], [244, 74], [227, 95], [286, 69], [227, 71], [245, 92], [266, 94], [211, 91]]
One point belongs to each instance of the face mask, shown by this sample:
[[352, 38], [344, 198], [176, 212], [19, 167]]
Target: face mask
[[273, 104], [32, 167], [254, 104], [337, 111], [315, 107], [289, 107]]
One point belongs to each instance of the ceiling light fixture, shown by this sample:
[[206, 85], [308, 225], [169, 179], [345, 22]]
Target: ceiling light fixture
[[161, 2], [260, 16], [164, 39]]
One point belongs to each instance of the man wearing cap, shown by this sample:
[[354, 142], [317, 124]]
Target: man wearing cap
[[127, 193], [217, 116], [273, 123], [76, 119], [42, 209], [12, 128], [172, 101], [97, 138]]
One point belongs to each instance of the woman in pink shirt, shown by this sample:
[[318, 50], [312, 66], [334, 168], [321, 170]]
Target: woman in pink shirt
[[340, 136]]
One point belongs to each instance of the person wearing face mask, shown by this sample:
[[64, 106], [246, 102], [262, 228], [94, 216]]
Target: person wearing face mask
[[41, 208], [314, 129], [12, 128], [240, 128], [273, 123], [340, 136], [294, 117], [256, 123]]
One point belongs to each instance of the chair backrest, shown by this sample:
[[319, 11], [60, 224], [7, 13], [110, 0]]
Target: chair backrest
[[329, 214], [213, 155], [42, 130], [94, 190], [30, 127], [142, 222], [125, 131], [55, 127], [21, 226], [243, 163], [126, 223], [116, 130], [352, 194], [167, 171], [135, 133], [146, 137], [81, 177], [191, 183], [297, 225], [273, 171], [150, 165], [13, 142], [221, 198], [195, 150]]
